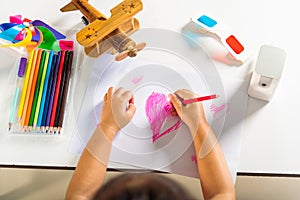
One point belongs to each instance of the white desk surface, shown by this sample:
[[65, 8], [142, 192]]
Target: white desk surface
[[271, 137]]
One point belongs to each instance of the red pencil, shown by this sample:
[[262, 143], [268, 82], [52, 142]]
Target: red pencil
[[61, 67], [188, 101]]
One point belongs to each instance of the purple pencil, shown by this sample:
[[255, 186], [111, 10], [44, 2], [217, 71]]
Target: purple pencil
[[52, 93]]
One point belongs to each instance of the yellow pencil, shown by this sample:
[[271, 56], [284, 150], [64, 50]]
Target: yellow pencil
[[23, 116], [25, 86]]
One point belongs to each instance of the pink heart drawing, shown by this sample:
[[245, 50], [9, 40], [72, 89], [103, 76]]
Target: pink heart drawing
[[158, 111]]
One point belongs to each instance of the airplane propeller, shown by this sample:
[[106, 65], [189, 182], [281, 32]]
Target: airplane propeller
[[131, 51]]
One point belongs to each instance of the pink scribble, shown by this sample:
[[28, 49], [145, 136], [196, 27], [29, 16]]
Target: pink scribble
[[136, 80], [194, 159], [219, 111], [158, 111]]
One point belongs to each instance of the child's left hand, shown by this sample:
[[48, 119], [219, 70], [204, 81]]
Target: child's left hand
[[117, 111]]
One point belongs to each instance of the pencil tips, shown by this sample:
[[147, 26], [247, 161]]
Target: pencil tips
[[9, 126]]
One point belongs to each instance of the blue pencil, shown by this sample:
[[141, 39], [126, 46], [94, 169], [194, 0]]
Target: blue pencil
[[52, 92], [49, 89], [40, 116]]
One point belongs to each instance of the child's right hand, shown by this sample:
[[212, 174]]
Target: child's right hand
[[191, 114]]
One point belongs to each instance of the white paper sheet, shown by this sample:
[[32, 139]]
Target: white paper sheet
[[165, 72]]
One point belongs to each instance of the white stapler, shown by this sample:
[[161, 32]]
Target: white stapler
[[267, 72]]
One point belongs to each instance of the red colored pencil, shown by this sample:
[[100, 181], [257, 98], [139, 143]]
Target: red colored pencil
[[188, 101], [61, 67]]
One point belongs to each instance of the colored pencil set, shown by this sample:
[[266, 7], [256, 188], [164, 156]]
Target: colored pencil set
[[42, 92]]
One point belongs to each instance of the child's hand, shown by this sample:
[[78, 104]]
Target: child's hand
[[118, 109], [192, 114]]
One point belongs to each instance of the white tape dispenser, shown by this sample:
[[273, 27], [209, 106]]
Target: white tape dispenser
[[267, 72]]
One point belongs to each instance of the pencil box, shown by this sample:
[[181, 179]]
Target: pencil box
[[42, 90]]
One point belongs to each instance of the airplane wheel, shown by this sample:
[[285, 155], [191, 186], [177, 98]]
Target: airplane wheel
[[84, 20]]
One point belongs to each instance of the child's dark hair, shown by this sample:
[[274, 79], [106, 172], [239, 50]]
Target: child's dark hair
[[142, 186]]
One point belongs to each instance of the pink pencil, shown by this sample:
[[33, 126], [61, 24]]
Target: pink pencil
[[188, 101]]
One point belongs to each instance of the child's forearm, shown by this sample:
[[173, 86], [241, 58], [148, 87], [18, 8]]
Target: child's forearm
[[91, 168], [215, 177]]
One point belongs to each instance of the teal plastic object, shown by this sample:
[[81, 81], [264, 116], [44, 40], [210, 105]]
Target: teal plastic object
[[207, 21]]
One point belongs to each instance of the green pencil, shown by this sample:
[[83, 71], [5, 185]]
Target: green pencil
[[37, 87], [38, 105]]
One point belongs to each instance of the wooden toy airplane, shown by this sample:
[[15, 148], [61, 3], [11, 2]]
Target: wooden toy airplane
[[103, 34]]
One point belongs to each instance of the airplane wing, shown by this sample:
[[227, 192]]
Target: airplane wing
[[69, 7], [89, 35], [97, 30]]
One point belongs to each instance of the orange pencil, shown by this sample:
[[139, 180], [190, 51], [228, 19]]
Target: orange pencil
[[29, 106], [28, 88]]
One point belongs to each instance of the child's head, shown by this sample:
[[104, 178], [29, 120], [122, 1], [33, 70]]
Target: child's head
[[141, 186]]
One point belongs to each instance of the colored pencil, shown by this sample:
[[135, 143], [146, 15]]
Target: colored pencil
[[25, 86], [61, 89], [44, 90], [41, 88], [37, 88], [22, 65], [49, 89], [61, 67], [204, 98], [40, 103], [66, 88], [24, 112], [13, 109], [32, 89], [53, 91], [27, 94]]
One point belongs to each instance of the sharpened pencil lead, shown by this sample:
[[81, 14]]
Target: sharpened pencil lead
[[9, 126]]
